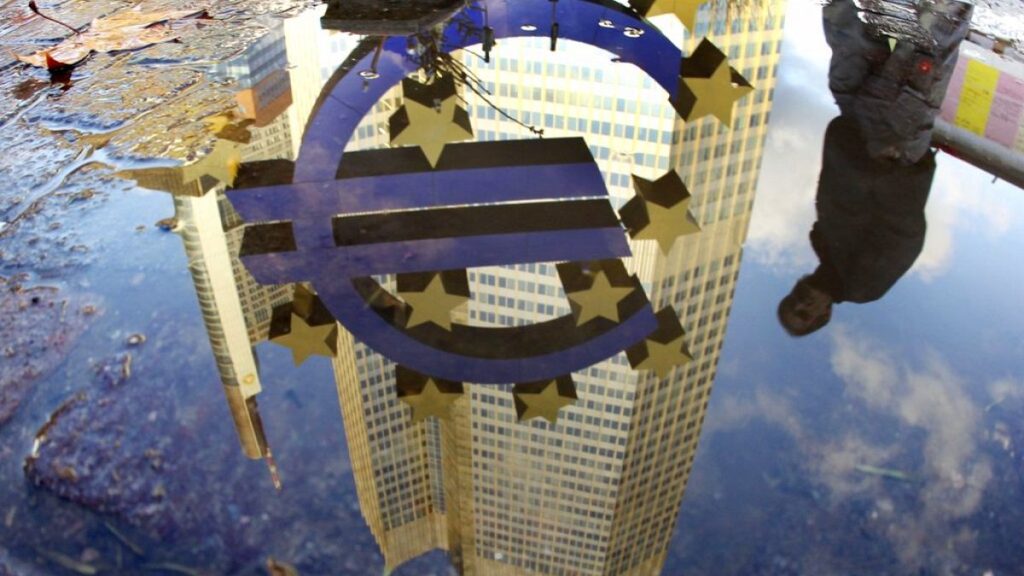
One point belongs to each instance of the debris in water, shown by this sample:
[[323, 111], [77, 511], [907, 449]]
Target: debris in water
[[278, 568], [67, 473], [135, 548], [171, 567], [126, 30], [275, 476], [81, 196], [35, 9], [136, 339], [41, 434], [90, 555], [168, 224], [884, 472], [67, 562], [126, 367]]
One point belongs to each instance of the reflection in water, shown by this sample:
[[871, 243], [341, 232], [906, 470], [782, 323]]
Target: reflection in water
[[888, 75], [580, 475], [237, 311]]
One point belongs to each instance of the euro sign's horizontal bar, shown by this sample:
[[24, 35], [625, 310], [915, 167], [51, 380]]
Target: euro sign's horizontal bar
[[466, 156], [268, 238], [473, 221], [437, 254], [485, 172]]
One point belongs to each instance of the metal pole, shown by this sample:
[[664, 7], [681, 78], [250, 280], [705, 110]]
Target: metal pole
[[990, 156]]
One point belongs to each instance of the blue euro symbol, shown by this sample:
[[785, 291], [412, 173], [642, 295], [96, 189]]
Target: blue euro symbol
[[526, 201]]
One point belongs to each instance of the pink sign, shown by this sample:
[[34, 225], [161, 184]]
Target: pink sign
[[1007, 110], [956, 86]]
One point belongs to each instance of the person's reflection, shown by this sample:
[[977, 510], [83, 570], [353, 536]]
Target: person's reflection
[[877, 166]]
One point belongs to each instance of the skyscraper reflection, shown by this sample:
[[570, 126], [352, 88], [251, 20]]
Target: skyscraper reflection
[[597, 491]]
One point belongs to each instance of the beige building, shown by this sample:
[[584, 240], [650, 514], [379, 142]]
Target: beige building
[[236, 309], [599, 491]]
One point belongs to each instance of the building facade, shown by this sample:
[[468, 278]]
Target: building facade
[[599, 491]]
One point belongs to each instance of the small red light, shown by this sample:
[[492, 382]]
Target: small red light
[[924, 66]]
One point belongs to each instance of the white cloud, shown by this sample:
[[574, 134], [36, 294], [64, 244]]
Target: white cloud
[[865, 363], [933, 398], [732, 412], [784, 209], [938, 243], [926, 399], [835, 464], [1006, 389], [963, 200]]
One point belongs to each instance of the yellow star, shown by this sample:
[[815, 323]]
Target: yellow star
[[660, 211], [222, 164], [708, 85], [663, 349], [432, 304], [430, 118], [431, 400], [715, 95], [306, 340], [305, 326], [543, 399], [668, 224], [601, 299], [218, 122], [229, 126], [685, 10], [662, 358]]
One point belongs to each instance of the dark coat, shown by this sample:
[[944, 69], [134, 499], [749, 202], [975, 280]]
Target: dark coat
[[894, 93], [871, 225]]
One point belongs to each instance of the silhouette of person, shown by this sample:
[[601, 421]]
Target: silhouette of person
[[877, 165]]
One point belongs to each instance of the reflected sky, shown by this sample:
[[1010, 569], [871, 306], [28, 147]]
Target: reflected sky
[[893, 432], [886, 443]]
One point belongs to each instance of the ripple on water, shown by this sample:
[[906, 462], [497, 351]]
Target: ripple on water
[[112, 95], [30, 157]]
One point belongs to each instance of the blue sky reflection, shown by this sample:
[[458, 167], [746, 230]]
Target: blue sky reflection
[[925, 384]]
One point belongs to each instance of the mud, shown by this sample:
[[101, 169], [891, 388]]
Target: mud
[[9, 566], [40, 325], [137, 441], [63, 139]]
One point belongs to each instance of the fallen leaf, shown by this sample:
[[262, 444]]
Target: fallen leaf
[[126, 30], [278, 568], [230, 126]]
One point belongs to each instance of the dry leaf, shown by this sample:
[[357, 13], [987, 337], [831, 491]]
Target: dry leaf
[[278, 568], [127, 30]]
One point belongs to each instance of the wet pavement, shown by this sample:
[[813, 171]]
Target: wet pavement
[[551, 355]]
